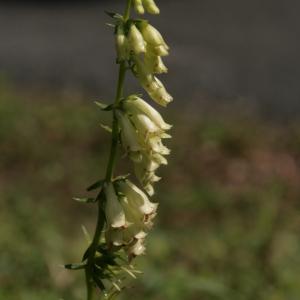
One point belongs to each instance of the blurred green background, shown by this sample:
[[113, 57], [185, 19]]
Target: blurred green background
[[228, 224]]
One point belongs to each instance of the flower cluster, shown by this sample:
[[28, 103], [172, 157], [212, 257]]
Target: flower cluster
[[128, 211], [125, 213], [144, 47], [129, 215], [142, 131]]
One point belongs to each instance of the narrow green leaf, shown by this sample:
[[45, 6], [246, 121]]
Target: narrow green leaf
[[85, 200], [86, 254], [116, 286], [107, 128], [106, 107], [86, 234], [128, 272], [113, 15], [100, 104], [110, 25], [99, 282]]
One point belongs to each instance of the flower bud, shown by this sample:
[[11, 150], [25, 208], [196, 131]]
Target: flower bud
[[161, 50], [165, 136], [128, 133], [137, 198], [154, 178], [151, 7], [157, 146], [159, 66], [138, 6], [149, 189], [114, 212], [142, 71], [155, 63], [136, 40], [152, 84], [136, 105], [152, 36], [144, 168], [160, 94], [121, 44], [144, 126], [159, 159]]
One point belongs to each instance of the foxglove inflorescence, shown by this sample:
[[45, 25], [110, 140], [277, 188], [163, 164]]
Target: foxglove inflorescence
[[125, 213]]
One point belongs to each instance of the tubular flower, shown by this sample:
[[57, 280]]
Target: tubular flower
[[136, 41], [154, 39], [138, 6], [151, 7], [121, 44], [136, 105], [158, 93], [154, 63], [142, 131], [150, 83], [139, 212], [114, 212]]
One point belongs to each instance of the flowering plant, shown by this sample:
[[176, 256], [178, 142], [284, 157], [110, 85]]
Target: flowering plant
[[125, 212]]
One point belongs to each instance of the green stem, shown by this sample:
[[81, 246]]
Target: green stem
[[127, 10], [92, 251], [115, 126], [109, 172], [119, 94]]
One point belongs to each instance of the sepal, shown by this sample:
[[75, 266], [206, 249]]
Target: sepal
[[75, 267], [95, 185], [104, 107]]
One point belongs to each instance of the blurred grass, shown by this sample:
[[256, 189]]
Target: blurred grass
[[229, 220]]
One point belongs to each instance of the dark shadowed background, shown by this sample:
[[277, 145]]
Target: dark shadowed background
[[221, 49], [229, 220]]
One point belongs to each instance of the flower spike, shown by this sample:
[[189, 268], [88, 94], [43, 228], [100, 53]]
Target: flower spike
[[125, 210]]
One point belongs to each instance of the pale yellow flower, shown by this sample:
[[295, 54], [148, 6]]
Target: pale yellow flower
[[136, 41], [138, 6], [154, 39], [136, 105], [121, 44], [114, 212], [151, 7]]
